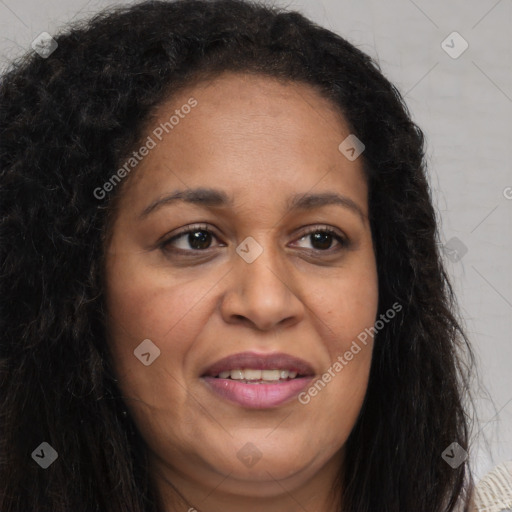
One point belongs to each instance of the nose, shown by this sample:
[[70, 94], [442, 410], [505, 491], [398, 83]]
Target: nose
[[262, 294]]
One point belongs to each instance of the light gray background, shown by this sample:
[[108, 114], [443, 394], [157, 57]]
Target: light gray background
[[464, 106]]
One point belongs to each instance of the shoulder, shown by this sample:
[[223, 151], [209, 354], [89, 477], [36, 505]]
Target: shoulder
[[493, 493]]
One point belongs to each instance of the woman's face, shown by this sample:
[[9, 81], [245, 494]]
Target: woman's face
[[257, 274]]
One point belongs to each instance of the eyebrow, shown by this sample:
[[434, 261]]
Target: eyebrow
[[211, 198]]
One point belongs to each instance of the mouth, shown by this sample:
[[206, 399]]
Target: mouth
[[258, 381], [257, 376]]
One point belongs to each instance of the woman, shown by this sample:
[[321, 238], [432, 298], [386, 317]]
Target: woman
[[221, 282]]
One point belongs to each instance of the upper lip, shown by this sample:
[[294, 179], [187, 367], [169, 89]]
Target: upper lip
[[259, 361]]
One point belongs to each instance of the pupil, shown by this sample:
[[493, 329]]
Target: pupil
[[323, 238], [196, 239]]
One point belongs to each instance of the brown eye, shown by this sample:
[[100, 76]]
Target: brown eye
[[196, 238], [199, 239], [322, 238]]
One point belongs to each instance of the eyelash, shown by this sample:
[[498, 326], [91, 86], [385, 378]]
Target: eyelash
[[343, 242]]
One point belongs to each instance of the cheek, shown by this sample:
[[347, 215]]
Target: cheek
[[148, 304], [347, 310], [143, 306], [347, 305]]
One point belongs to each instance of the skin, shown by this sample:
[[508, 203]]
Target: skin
[[261, 141]]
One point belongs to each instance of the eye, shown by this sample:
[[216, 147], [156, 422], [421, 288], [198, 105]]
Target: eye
[[199, 238], [322, 237]]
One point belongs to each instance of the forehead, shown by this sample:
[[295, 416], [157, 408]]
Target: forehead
[[248, 134]]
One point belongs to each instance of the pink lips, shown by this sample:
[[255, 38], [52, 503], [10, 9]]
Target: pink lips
[[258, 395]]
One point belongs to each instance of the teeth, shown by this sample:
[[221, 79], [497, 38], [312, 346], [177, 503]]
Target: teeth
[[250, 374], [236, 374], [272, 374]]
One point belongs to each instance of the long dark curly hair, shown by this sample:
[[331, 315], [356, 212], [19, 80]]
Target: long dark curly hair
[[67, 122]]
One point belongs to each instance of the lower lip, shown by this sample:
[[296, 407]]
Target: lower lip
[[257, 396]]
